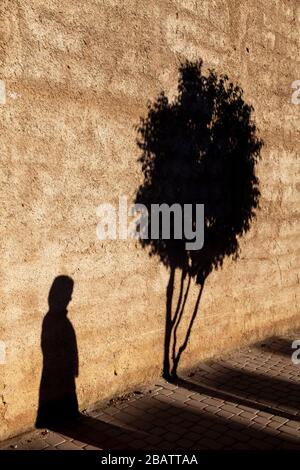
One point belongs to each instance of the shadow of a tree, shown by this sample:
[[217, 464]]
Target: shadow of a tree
[[201, 148]]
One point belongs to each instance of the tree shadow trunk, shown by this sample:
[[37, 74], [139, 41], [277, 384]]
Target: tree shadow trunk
[[172, 358]]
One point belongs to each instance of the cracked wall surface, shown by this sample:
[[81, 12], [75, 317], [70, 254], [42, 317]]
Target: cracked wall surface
[[77, 79]]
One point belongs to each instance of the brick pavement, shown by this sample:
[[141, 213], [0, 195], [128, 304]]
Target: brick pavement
[[248, 400]]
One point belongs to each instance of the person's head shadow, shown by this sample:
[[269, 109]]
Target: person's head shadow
[[60, 295], [57, 395]]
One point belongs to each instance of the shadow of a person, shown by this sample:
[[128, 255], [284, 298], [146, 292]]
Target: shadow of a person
[[57, 395]]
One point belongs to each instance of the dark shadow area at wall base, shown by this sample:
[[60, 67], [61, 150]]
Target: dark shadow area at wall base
[[230, 394], [171, 427], [97, 433], [276, 345]]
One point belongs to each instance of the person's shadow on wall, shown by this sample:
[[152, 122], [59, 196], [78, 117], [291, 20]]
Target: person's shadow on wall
[[58, 406], [57, 396]]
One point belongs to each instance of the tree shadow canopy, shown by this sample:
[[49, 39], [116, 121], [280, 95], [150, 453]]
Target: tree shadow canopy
[[200, 148]]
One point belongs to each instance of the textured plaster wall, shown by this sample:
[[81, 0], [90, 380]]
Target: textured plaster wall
[[77, 77]]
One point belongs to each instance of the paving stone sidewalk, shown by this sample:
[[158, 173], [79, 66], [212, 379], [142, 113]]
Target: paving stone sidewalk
[[249, 400]]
